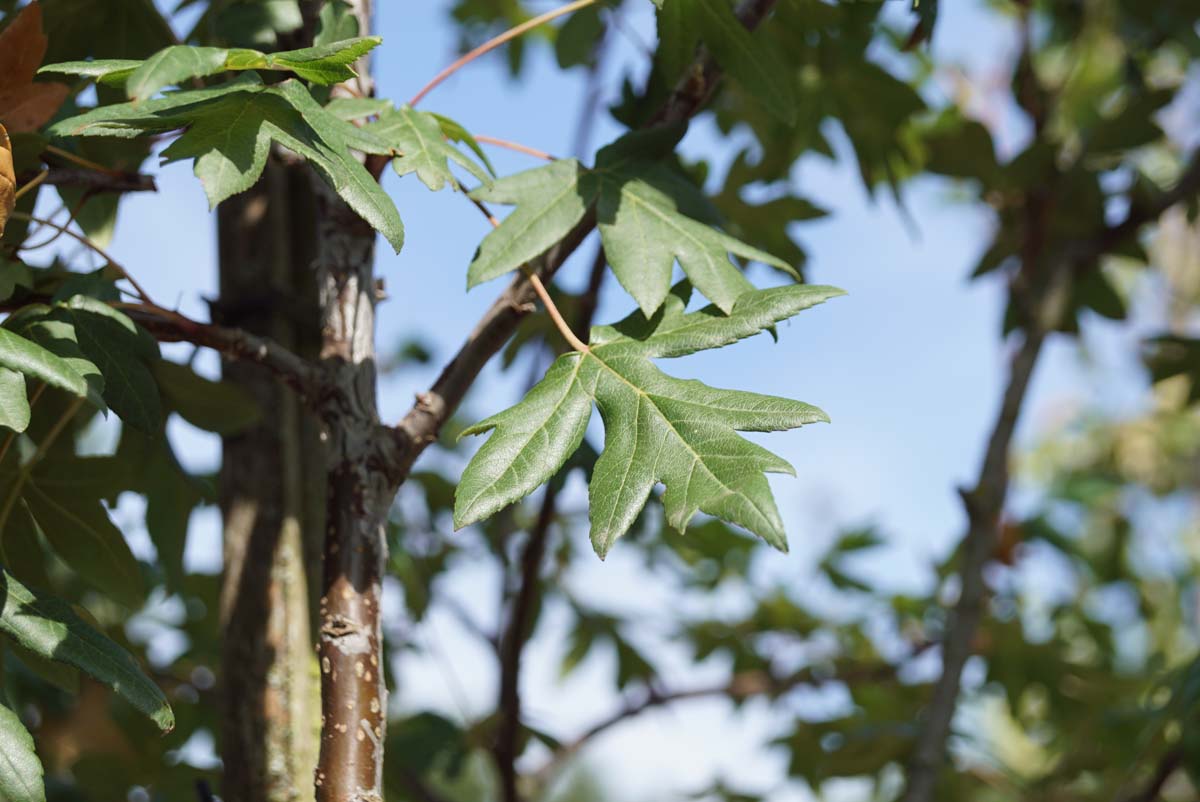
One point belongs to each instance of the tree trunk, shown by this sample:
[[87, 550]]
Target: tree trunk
[[353, 693], [270, 478]]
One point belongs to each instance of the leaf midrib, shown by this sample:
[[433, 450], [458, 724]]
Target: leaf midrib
[[696, 457]]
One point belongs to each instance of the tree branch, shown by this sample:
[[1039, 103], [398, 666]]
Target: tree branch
[[94, 181], [1170, 763], [433, 408], [740, 686], [985, 503], [306, 378]]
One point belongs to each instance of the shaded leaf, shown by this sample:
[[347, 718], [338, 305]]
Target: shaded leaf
[[214, 406], [79, 530], [14, 405], [20, 769], [48, 627]]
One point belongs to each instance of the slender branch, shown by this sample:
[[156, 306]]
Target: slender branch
[[555, 315], [421, 425], [88, 243], [87, 164], [31, 184], [517, 146], [73, 213], [540, 290], [493, 43], [985, 503], [1171, 762], [740, 686], [513, 644], [301, 375], [99, 182]]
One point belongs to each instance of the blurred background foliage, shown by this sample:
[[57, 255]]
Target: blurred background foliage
[[1087, 682]]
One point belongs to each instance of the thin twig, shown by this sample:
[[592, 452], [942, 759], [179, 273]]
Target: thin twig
[[1171, 762], [82, 162], [493, 43], [540, 290], [421, 425], [740, 686], [25, 246], [303, 376], [512, 646], [30, 185], [98, 182], [88, 243], [517, 146]]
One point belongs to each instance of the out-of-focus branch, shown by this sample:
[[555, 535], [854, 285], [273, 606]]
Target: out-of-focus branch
[[1170, 763], [94, 181], [985, 503], [740, 686], [303, 376], [421, 425]]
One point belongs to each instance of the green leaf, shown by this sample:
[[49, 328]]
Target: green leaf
[[20, 769], [114, 343], [14, 404], [657, 428], [23, 356], [79, 530], [549, 202], [49, 628], [640, 213], [335, 22], [323, 64], [422, 148], [751, 61], [108, 71], [174, 65], [357, 108], [220, 407], [229, 131], [456, 132]]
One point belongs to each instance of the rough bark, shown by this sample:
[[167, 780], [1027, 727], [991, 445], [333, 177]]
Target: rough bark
[[268, 675], [361, 489]]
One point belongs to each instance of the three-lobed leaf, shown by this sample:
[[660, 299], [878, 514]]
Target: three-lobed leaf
[[657, 428]]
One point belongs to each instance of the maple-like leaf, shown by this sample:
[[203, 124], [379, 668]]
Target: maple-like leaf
[[172, 66], [752, 61], [645, 214], [8, 179], [421, 147], [656, 428], [24, 104], [228, 131]]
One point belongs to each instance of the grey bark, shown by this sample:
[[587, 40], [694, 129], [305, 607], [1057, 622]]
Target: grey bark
[[270, 478]]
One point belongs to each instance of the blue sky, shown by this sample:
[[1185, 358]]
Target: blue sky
[[909, 366]]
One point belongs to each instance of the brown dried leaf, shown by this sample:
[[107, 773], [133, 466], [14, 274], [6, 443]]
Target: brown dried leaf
[[24, 104], [8, 180]]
